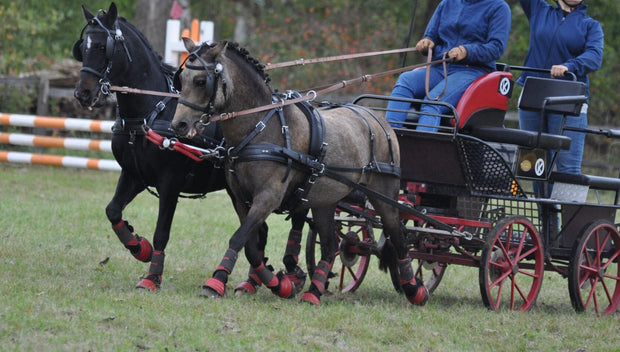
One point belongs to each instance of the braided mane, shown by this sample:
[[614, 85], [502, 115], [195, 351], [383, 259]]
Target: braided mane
[[244, 53]]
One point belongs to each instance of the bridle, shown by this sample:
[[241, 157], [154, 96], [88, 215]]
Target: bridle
[[113, 36], [214, 74]]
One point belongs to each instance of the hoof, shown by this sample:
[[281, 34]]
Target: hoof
[[145, 250], [245, 288], [420, 297], [146, 284], [287, 287], [213, 288], [298, 278], [311, 298]]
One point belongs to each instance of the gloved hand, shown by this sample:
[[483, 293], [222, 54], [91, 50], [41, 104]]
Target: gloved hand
[[558, 70], [424, 44], [458, 53]]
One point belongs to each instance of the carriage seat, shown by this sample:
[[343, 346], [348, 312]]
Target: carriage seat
[[521, 138], [551, 95], [485, 101]]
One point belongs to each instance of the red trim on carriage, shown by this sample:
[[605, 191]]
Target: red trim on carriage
[[489, 92]]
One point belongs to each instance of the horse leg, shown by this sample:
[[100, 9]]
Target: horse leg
[[293, 246], [323, 221], [167, 207], [215, 286], [290, 260], [395, 254], [252, 283], [126, 191], [246, 234], [279, 284]]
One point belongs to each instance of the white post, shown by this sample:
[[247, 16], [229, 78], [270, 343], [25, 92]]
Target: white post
[[174, 45]]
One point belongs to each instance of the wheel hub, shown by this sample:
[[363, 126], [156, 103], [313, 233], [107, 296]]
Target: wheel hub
[[348, 258]]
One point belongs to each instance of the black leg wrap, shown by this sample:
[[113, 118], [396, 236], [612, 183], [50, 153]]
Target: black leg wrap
[[228, 262], [266, 276], [319, 279], [406, 271], [124, 231], [293, 248], [157, 263]]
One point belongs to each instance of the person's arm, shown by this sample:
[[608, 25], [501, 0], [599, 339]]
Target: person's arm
[[592, 57], [527, 6], [497, 38], [432, 28]]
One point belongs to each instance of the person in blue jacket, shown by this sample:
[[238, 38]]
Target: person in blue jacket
[[562, 39], [474, 34]]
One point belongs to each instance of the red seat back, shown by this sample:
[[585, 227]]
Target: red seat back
[[485, 101]]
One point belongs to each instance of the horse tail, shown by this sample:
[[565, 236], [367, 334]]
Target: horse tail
[[388, 258]]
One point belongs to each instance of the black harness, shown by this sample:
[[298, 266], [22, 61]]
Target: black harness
[[136, 126], [311, 162]]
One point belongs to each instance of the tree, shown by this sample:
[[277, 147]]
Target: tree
[[150, 19]]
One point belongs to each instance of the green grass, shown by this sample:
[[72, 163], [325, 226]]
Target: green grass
[[66, 284]]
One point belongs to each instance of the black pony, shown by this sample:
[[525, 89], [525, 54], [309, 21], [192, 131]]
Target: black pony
[[114, 52]]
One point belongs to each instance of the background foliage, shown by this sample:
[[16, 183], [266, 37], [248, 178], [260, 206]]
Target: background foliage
[[34, 34]]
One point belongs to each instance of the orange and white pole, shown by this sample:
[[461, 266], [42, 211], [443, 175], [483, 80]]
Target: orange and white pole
[[72, 124], [58, 160], [55, 142]]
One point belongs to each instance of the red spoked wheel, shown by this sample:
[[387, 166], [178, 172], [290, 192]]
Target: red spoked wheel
[[594, 274], [511, 265], [431, 273], [354, 236]]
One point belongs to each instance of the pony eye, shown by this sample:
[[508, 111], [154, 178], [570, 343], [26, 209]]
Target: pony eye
[[200, 81]]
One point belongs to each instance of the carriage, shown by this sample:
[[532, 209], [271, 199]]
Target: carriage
[[474, 193], [462, 195], [469, 189]]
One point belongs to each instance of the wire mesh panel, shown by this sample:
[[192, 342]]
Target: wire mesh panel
[[486, 170]]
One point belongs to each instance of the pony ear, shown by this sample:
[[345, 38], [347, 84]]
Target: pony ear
[[220, 48], [189, 44], [111, 16], [87, 14]]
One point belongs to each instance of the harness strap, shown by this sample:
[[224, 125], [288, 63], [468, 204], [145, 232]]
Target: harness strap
[[381, 197], [260, 126]]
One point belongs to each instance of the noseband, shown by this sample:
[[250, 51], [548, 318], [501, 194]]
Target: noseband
[[113, 36], [214, 74]]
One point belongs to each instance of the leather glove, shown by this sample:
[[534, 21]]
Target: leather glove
[[458, 53], [558, 70], [424, 44]]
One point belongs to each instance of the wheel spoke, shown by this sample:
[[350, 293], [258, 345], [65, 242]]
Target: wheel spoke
[[351, 272], [592, 295], [531, 274], [611, 259], [341, 281], [498, 296], [502, 277], [521, 293], [526, 254]]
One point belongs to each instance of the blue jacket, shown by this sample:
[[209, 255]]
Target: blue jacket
[[574, 40], [481, 26]]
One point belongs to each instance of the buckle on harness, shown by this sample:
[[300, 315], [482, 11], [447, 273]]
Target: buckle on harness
[[160, 106], [260, 126]]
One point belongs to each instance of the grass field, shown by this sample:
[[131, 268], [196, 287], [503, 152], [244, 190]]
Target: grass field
[[66, 284]]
